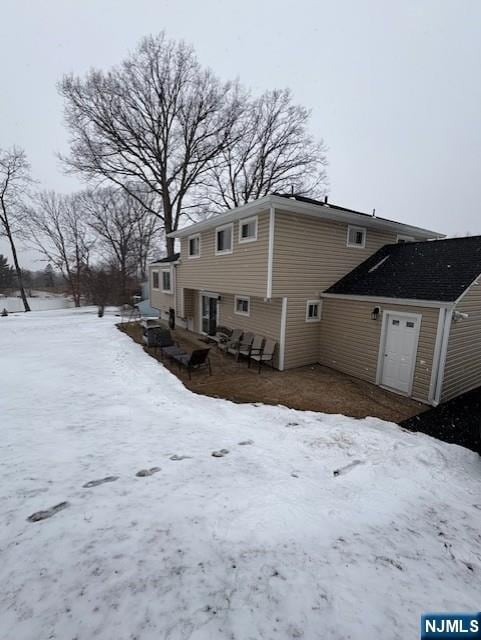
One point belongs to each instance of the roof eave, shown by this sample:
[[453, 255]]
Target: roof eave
[[390, 300], [323, 211]]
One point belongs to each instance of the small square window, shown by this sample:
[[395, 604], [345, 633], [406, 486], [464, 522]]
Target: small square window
[[395, 323], [248, 230], [223, 242], [356, 237], [166, 281], [155, 279], [242, 305], [313, 311], [194, 246], [410, 325]]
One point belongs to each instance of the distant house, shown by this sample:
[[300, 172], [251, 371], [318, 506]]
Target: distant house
[[358, 293]]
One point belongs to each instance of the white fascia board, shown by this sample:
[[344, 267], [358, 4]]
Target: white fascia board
[[220, 219], [381, 300], [475, 281], [321, 211]]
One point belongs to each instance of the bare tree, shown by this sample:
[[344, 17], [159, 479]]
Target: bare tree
[[14, 183], [273, 152], [58, 229], [158, 120], [125, 231]]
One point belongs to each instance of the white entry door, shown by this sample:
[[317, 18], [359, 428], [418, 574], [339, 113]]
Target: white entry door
[[400, 348]]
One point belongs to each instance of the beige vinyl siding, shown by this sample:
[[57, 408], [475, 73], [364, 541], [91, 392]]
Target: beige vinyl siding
[[264, 318], [349, 340], [158, 298], [309, 256], [245, 269], [463, 359]]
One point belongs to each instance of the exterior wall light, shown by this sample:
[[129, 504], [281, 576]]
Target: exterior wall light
[[375, 313]]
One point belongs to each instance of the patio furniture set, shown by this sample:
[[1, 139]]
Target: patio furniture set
[[255, 348]]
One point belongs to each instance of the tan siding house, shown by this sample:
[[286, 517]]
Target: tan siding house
[[333, 286]]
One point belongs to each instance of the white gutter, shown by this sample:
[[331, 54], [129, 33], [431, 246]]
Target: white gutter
[[383, 300], [322, 211], [437, 355]]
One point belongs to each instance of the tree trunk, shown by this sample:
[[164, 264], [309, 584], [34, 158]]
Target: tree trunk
[[18, 270]]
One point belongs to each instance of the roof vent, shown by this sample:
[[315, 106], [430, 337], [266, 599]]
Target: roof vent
[[374, 213], [325, 199]]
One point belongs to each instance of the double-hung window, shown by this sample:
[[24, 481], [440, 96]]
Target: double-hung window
[[166, 281], [155, 279], [194, 246], [248, 229], [313, 310], [223, 239]]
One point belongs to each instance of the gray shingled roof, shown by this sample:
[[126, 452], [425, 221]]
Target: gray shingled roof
[[172, 258], [432, 270]]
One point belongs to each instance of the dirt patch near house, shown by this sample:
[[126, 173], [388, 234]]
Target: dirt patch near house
[[311, 388]]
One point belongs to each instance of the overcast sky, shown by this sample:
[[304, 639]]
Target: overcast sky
[[394, 87]]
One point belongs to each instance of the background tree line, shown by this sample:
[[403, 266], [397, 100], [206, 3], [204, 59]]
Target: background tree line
[[160, 141]]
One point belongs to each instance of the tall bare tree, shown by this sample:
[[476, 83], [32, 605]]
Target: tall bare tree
[[158, 120], [59, 230], [15, 181], [273, 152], [125, 232]]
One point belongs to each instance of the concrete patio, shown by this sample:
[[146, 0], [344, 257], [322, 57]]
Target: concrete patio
[[312, 388]]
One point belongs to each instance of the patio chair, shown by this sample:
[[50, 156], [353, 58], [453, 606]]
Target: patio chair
[[255, 348], [198, 359], [232, 342], [222, 334], [245, 345], [265, 355], [160, 338]]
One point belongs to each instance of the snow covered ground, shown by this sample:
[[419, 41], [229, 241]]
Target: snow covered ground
[[262, 543]]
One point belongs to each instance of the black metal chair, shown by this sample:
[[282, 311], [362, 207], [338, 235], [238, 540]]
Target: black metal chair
[[160, 338], [198, 359]]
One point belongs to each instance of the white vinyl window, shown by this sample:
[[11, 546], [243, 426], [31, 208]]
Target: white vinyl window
[[313, 310], [248, 229], [356, 237], [223, 239], [166, 281], [194, 246], [242, 305], [155, 279]]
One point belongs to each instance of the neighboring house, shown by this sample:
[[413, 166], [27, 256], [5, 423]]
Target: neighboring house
[[264, 267]]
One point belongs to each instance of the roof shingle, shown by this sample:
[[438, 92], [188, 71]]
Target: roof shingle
[[438, 270]]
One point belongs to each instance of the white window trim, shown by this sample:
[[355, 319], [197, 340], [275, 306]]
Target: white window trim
[[221, 228], [158, 279], [401, 236], [319, 307], [351, 227], [246, 221], [189, 238], [169, 271], [242, 313]]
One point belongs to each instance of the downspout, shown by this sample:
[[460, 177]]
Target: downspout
[[442, 356], [270, 252]]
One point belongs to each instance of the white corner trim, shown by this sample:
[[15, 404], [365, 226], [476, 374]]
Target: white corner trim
[[243, 221], [436, 356], [270, 253], [282, 337], [442, 358]]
